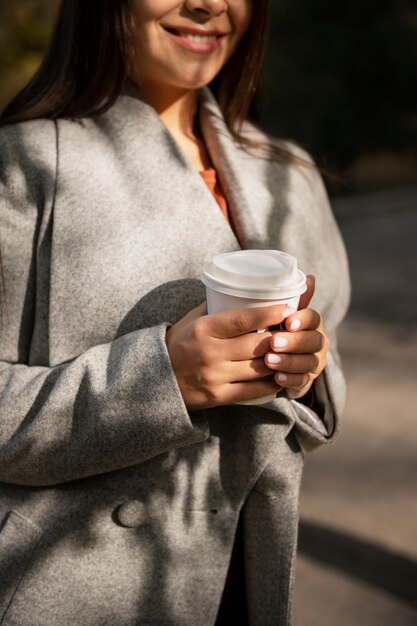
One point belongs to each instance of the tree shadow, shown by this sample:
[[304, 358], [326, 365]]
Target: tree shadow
[[168, 302], [364, 560]]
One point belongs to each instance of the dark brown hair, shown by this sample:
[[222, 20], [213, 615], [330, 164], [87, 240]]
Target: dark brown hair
[[88, 60]]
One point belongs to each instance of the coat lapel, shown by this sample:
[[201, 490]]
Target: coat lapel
[[276, 204], [133, 227], [247, 182], [134, 224]]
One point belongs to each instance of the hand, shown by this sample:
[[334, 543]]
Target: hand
[[300, 355], [216, 358]]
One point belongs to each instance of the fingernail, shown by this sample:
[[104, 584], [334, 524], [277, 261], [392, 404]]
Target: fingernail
[[282, 377], [295, 324], [274, 358], [280, 342], [288, 311]]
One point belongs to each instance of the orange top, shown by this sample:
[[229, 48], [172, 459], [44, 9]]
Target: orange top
[[210, 178]]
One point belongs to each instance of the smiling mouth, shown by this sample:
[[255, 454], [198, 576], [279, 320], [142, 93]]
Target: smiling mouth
[[194, 37]]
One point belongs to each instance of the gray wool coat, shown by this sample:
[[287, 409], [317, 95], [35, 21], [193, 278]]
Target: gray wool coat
[[118, 506]]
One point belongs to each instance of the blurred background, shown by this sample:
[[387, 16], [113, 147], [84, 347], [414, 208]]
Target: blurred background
[[341, 80]]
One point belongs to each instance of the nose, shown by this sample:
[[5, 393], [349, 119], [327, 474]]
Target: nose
[[206, 7]]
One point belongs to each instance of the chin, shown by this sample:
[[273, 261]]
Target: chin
[[194, 83], [197, 78]]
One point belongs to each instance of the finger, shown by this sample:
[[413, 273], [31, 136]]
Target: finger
[[307, 295], [236, 322], [303, 342], [244, 391], [293, 381], [295, 394], [236, 371], [293, 363], [246, 347], [306, 319]]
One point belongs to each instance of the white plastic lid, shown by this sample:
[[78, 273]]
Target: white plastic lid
[[264, 274]]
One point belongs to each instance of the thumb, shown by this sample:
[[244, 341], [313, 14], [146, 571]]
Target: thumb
[[198, 311], [308, 294], [189, 317]]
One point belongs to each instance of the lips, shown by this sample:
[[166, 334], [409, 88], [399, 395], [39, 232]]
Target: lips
[[197, 40], [201, 38]]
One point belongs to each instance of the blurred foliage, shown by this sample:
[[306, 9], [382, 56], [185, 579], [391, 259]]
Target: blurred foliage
[[338, 77], [24, 31]]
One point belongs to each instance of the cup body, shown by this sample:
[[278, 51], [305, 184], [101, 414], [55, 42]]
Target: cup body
[[218, 301], [253, 278]]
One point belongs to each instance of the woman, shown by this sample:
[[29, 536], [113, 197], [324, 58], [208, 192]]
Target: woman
[[134, 489]]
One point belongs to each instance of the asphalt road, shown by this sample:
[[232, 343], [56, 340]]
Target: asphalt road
[[357, 562]]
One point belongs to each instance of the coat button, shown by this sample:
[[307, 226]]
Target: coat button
[[131, 513]]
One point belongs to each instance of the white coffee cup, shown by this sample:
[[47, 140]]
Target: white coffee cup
[[253, 278]]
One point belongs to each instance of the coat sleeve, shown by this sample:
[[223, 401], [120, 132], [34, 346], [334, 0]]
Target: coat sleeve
[[113, 406], [321, 423]]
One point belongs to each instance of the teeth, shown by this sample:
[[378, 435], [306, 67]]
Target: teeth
[[199, 38]]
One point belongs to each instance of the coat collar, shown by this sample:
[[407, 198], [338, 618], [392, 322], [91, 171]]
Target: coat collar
[[249, 179], [243, 178], [126, 198]]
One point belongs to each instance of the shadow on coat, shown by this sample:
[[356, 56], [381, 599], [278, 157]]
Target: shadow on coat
[[163, 304], [77, 505], [38, 179]]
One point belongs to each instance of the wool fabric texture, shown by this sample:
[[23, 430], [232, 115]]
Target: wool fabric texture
[[117, 504]]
